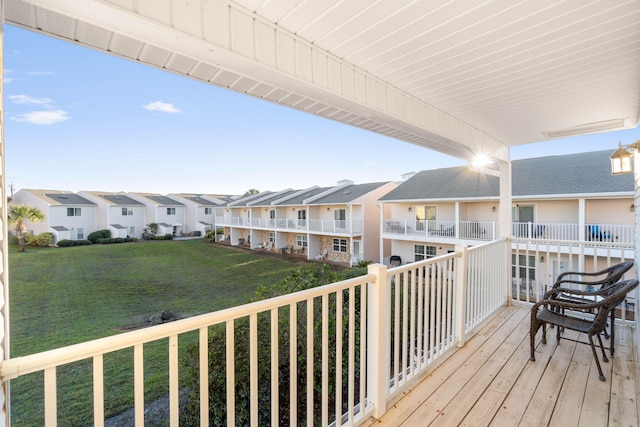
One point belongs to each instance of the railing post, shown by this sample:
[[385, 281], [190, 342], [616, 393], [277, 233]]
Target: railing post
[[377, 326], [461, 295]]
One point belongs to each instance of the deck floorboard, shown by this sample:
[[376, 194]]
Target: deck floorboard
[[491, 382]]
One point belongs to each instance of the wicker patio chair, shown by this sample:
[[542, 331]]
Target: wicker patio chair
[[590, 282], [553, 311]]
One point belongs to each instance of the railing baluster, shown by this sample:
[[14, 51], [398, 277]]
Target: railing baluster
[[98, 390], [310, 362], [204, 375], [50, 397], [174, 388], [338, 388], [351, 353], [231, 369], [325, 360], [364, 319], [138, 383], [253, 368], [293, 363], [275, 401]]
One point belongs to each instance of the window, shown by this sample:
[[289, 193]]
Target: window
[[423, 215], [301, 240], [80, 234], [272, 237], [422, 252], [208, 211], [171, 211], [340, 217], [525, 270], [74, 211], [340, 245], [127, 211]]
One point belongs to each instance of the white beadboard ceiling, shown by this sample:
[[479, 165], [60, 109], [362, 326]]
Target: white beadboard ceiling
[[455, 76]]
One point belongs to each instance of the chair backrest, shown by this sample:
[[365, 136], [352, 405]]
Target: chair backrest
[[611, 275], [615, 272], [615, 295]]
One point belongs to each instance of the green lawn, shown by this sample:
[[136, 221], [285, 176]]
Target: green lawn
[[64, 296]]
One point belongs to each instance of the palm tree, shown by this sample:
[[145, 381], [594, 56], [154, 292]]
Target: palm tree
[[18, 215]]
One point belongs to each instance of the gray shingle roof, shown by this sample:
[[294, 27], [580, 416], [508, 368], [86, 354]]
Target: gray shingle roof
[[274, 197], [59, 228], [200, 201], [69, 199], [348, 193], [298, 199], [583, 173], [121, 199], [165, 201]]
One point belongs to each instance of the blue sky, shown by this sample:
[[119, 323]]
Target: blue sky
[[77, 119]]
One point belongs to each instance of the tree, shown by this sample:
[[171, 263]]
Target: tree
[[251, 192], [18, 215]]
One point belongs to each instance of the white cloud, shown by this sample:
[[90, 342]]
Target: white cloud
[[161, 106], [25, 99], [43, 117], [41, 73]]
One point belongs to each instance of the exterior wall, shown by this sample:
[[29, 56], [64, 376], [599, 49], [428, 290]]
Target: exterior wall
[[480, 211], [553, 211], [610, 211], [86, 220], [108, 214], [24, 197], [56, 215], [136, 220], [370, 244]]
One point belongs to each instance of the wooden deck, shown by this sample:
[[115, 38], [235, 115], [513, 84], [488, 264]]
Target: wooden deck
[[491, 382]]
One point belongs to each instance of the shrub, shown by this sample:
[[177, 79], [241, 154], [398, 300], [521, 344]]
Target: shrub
[[303, 278], [65, 243], [82, 242], [100, 234], [104, 241], [119, 240], [42, 240]]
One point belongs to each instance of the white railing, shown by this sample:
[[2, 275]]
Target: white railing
[[535, 264], [436, 304], [316, 225], [347, 348], [335, 226], [487, 230], [573, 232], [470, 230]]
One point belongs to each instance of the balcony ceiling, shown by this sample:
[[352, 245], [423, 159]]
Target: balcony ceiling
[[454, 76]]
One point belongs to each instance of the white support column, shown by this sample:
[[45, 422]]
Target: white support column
[[504, 220], [4, 274], [461, 296], [636, 181], [377, 334]]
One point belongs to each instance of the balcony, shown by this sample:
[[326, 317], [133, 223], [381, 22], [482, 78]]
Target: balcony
[[428, 229], [491, 382], [373, 338], [487, 230], [328, 226]]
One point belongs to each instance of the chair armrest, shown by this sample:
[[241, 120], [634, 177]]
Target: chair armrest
[[567, 304]]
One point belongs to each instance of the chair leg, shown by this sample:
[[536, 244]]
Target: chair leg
[[612, 339], [604, 355], [595, 356], [535, 325]]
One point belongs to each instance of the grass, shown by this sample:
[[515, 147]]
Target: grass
[[65, 296]]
